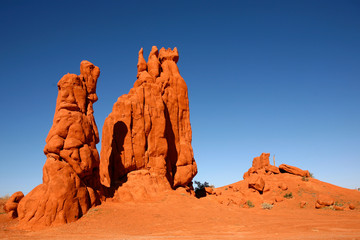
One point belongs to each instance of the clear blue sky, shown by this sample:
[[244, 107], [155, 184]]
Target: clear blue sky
[[263, 76]]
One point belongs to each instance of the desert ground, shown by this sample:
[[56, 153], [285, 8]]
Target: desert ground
[[179, 215]]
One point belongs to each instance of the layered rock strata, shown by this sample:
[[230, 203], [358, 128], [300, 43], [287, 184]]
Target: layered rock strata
[[149, 129]]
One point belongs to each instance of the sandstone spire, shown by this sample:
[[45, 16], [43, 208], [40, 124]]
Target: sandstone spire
[[70, 175], [149, 128]]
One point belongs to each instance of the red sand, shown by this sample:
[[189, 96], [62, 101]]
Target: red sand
[[176, 215]]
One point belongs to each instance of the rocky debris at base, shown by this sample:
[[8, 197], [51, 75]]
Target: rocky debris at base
[[12, 203]]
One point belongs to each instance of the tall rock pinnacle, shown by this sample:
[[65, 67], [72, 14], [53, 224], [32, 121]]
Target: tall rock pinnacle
[[71, 182], [149, 128]]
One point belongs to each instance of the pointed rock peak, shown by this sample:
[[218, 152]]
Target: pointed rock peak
[[154, 52], [141, 66], [153, 64], [168, 54]]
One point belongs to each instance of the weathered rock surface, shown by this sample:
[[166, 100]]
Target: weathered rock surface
[[324, 200], [294, 170], [71, 182], [12, 203], [149, 128], [256, 182], [261, 165]]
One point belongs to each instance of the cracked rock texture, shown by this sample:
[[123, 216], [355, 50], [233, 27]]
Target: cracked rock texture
[[71, 182], [149, 128]]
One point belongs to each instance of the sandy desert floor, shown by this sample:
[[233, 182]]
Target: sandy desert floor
[[176, 215]]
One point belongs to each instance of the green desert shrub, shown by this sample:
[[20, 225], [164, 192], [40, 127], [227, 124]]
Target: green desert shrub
[[338, 204], [250, 204], [305, 179], [200, 189], [288, 195]]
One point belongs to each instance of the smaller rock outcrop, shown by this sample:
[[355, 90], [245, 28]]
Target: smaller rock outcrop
[[256, 182], [294, 170], [12, 203], [261, 165], [324, 201]]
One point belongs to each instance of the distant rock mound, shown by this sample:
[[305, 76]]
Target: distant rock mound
[[266, 186], [148, 133], [71, 183]]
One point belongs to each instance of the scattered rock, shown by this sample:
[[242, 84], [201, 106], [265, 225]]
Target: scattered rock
[[12, 203], [209, 190], [318, 206], [257, 183], [266, 188], [325, 200], [351, 206], [283, 186], [303, 204], [272, 169], [338, 208], [294, 170]]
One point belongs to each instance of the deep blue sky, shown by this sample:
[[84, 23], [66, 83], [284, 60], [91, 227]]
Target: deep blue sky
[[263, 76]]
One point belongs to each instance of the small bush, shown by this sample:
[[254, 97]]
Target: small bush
[[305, 179], [311, 175], [288, 195], [250, 204], [200, 189], [201, 185], [266, 206], [338, 204]]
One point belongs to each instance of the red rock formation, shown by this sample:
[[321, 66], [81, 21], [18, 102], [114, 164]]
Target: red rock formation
[[294, 170], [70, 174], [12, 203], [324, 201], [261, 165], [149, 128], [256, 182]]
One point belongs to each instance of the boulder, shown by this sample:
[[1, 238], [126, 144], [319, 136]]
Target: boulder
[[294, 170], [149, 128], [351, 206], [261, 162], [283, 186], [339, 208], [209, 190], [272, 169], [303, 204], [324, 200], [256, 182], [71, 182], [12, 203]]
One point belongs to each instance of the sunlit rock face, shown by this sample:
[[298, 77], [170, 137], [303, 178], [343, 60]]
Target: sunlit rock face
[[149, 128], [71, 182]]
